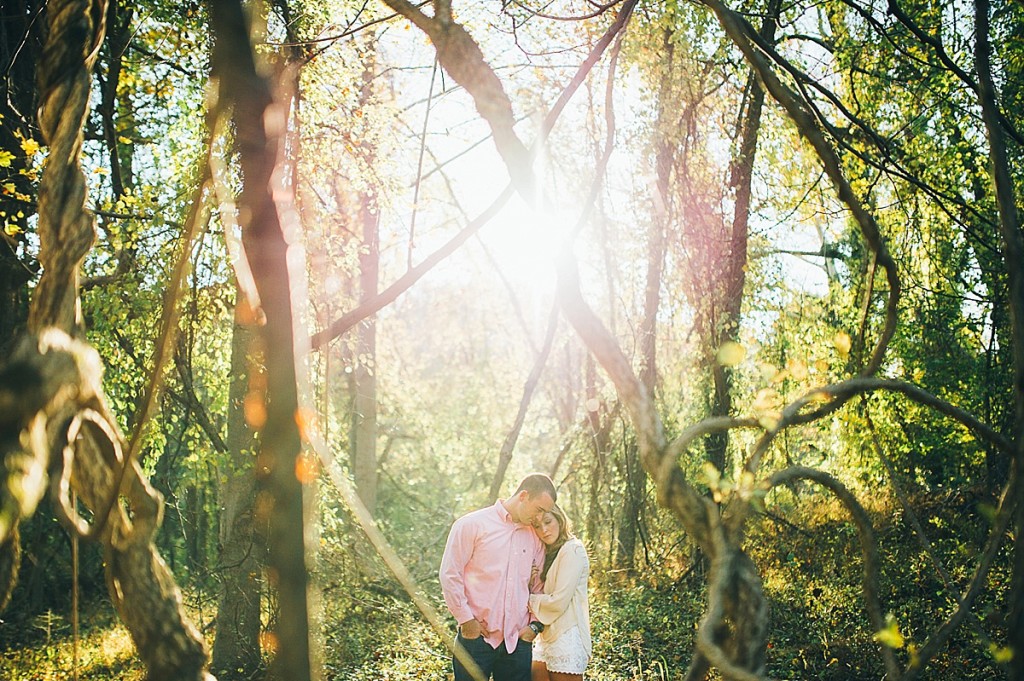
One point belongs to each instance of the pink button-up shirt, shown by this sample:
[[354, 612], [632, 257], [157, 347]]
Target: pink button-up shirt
[[485, 572]]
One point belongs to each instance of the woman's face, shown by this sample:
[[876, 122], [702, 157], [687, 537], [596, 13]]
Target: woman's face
[[548, 529]]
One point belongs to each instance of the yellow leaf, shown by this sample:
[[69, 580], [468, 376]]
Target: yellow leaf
[[731, 353], [30, 147], [820, 396], [915, 656], [9, 188], [890, 636], [1001, 654], [766, 398], [767, 371], [5, 159], [821, 365], [711, 474], [843, 343], [797, 369], [11, 229]]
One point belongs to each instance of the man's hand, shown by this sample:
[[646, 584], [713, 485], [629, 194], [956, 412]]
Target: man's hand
[[471, 629]]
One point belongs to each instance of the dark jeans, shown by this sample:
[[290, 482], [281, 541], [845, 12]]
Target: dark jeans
[[505, 666]]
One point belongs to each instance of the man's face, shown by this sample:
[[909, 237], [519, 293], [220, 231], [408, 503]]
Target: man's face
[[532, 509]]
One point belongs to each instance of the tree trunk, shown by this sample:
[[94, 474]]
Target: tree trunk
[[1012, 238], [236, 648], [635, 480], [599, 443], [727, 326], [364, 400], [59, 398], [273, 252], [364, 383], [20, 47]]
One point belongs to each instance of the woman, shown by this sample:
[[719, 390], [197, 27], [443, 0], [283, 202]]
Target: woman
[[562, 648]]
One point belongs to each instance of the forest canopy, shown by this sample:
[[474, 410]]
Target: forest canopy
[[287, 287]]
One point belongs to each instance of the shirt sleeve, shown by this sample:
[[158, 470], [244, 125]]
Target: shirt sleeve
[[457, 552], [572, 567]]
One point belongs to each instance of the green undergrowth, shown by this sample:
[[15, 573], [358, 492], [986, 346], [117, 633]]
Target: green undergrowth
[[42, 648], [813, 574], [637, 632], [644, 627]]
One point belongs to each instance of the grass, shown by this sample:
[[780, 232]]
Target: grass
[[43, 648]]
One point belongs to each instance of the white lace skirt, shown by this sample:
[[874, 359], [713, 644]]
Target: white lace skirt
[[565, 654]]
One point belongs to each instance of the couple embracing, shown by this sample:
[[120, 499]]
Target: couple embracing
[[515, 579]]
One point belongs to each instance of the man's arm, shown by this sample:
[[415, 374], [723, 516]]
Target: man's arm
[[457, 552]]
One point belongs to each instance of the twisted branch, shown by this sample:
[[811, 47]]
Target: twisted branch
[[66, 230]]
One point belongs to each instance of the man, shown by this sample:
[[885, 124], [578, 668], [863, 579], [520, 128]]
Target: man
[[486, 578]]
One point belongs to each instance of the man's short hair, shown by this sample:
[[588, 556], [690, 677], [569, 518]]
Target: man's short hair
[[538, 483]]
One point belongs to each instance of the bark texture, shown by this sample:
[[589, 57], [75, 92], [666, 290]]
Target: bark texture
[[236, 647]]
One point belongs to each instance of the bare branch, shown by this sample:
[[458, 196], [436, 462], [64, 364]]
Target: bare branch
[[1008, 506], [388, 295], [935, 43], [754, 49], [919, 531], [462, 58], [715, 424]]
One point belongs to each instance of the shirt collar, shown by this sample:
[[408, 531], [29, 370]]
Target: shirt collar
[[503, 513]]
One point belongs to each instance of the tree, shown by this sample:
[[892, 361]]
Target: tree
[[67, 399], [236, 648], [20, 47]]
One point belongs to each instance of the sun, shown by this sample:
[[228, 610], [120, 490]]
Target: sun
[[523, 241]]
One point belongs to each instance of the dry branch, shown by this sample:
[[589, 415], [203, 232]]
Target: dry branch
[[51, 388], [754, 49], [507, 447], [462, 58]]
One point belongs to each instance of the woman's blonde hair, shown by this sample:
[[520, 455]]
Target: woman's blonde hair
[[564, 534]]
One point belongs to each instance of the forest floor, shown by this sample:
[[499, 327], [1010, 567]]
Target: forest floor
[[640, 634], [644, 626]]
